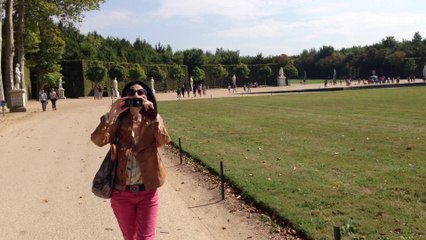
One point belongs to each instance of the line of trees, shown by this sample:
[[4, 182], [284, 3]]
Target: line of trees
[[213, 69], [388, 57], [39, 34]]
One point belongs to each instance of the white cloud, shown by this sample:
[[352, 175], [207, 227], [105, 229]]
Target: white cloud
[[366, 27], [235, 9], [254, 26], [109, 19], [264, 29]]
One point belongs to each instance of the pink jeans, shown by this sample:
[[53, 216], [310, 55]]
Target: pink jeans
[[136, 213]]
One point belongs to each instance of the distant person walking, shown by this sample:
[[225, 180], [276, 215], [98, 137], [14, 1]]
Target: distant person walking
[[183, 90], [43, 99], [53, 98]]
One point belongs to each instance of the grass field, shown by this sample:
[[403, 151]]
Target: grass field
[[352, 158]]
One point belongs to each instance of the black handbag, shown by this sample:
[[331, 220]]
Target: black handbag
[[104, 180]]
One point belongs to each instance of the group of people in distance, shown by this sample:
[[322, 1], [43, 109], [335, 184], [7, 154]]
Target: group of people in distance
[[246, 87], [198, 88], [374, 80], [44, 98]]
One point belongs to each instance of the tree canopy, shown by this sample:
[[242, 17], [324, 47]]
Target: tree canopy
[[387, 57]]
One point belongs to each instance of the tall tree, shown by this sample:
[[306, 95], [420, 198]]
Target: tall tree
[[75, 44], [199, 74], [219, 74], [137, 73], [395, 62], [265, 72], [227, 57], [118, 71], [96, 73], [45, 61], [2, 95], [193, 58], [143, 52], [176, 73], [157, 73], [291, 70], [409, 66], [242, 72], [39, 14], [9, 50], [20, 41]]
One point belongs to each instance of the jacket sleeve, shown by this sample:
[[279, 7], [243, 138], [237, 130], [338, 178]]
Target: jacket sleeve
[[161, 135], [103, 132]]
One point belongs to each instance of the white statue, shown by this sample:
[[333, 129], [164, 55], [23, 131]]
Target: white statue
[[17, 76], [152, 85], [115, 92], [424, 71], [60, 83], [191, 83], [281, 72], [234, 80], [61, 90], [115, 83], [281, 80]]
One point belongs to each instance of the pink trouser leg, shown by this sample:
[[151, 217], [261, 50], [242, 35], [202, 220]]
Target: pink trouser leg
[[136, 213]]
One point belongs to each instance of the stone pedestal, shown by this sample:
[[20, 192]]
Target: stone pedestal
[[282, 81], [18, 100], [61, 93]]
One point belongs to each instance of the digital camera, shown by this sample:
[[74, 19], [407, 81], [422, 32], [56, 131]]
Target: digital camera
[[133, 102]]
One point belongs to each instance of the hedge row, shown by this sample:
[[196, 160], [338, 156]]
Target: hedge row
[[77, 84]]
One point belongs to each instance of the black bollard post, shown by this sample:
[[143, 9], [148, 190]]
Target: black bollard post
[[180, 151], [222, 180], [336, 229]]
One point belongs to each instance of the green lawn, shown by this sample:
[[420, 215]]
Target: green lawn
[[353, 158]]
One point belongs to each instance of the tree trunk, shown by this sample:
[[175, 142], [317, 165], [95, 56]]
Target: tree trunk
[[20, 42], [2, 93], [9, 52]]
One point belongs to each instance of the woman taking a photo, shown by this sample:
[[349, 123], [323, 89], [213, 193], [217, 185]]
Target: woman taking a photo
[[140, 131]]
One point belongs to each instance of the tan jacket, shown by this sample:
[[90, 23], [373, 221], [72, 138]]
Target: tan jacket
[[151, 137]]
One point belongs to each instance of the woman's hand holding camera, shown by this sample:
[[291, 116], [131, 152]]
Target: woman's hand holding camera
[[122, 105], [146, 103], [116, 109]]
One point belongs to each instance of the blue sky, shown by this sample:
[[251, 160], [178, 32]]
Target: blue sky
[[269, 27]]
